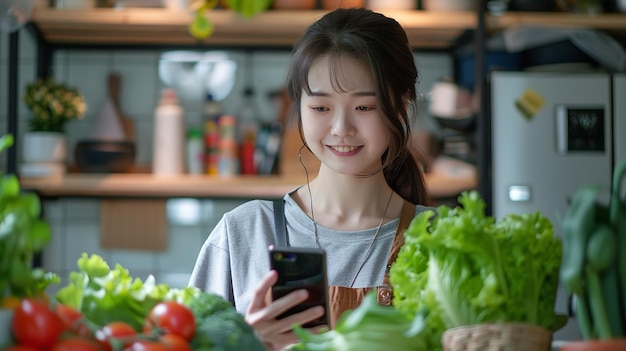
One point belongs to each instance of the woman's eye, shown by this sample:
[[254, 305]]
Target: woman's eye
[[365, 108], [319, 108]]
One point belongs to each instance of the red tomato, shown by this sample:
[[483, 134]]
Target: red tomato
[[145, 345], [19, 347], [173, 317], [75, 344], [72, 318], [113, 330], [35, 325], [175, 342]]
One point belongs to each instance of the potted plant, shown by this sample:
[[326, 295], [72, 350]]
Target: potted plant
[[22, 235], [593, 268], [51, 106]]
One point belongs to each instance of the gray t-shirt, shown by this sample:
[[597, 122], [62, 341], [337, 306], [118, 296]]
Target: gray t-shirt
[[234, 258]]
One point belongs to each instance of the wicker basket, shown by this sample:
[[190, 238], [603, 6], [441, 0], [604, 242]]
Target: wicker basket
[[497, 337]]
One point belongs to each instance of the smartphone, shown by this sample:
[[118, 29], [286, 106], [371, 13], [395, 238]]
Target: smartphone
[[301, 268]]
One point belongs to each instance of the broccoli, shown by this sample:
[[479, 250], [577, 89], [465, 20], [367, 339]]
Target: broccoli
[[219, 327]]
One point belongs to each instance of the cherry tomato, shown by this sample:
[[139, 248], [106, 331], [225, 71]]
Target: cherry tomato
[[113, 330], [173, 317], [35, 325], [175, 342], [145, 345], [72, 318], [75, 344]]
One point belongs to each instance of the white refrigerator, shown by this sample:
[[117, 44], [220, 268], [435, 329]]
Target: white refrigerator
[[551, 134]]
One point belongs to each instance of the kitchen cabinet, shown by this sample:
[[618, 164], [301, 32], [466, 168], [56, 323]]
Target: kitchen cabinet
[[133, 28]]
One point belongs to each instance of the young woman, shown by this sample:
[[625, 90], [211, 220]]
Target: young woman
[[352, 81]]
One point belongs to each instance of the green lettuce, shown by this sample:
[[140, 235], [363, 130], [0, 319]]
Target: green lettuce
[[104, 295], [370, 326], [466, 268]]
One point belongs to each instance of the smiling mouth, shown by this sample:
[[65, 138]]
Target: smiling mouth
[[344, 149]]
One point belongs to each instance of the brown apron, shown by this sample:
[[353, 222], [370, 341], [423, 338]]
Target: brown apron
[[341, 298]]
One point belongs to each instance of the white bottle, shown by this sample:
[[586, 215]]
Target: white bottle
[[169, 136]]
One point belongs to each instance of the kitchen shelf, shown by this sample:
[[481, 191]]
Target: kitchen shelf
[[270, 28], [156, 26], [447, 179], [147, 185], [141, 27]]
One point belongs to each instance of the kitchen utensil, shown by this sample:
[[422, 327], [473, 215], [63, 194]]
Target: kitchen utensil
[[95, 156], [602, 47], [448, 99], [111, 146], [128, 126], [108, 125], [456, 123], [533, 5], [195, 74]]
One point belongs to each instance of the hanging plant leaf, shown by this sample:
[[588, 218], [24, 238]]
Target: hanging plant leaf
[[249, 8], [201, 27]]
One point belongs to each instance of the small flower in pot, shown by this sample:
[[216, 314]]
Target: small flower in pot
[[52, 105]]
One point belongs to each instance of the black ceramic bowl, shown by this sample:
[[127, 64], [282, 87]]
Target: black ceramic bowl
[[463, 124], [95, 156]]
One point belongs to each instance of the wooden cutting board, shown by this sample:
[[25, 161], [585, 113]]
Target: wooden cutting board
[[114, 86]]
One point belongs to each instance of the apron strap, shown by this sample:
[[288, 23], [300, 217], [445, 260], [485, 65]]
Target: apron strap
[[385, 291], [406, 216], [280, 232]]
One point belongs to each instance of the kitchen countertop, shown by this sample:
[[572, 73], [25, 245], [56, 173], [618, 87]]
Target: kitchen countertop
[[447, 178]]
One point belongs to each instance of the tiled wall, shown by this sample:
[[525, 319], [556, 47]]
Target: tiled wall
[[75, 222]]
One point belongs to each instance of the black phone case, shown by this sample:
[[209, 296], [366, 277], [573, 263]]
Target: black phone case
[[301, 268]]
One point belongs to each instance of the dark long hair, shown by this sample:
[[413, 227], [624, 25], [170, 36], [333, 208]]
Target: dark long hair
[[382, 45]]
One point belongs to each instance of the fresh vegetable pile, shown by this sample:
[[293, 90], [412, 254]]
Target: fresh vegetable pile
[[22, 235], [467, 269], [593, 269], [104, 309], [370, 326]]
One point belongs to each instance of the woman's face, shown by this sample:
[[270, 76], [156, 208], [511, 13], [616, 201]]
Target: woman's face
[[344, 128]]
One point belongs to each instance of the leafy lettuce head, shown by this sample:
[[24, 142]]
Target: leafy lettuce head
[[466, 268]]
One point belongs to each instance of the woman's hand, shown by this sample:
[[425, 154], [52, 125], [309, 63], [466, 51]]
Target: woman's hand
[[277, 334]]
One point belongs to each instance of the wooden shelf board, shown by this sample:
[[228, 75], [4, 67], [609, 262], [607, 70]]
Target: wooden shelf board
[[605, 21], [147, 26], [275, 28], [448, 178], [147, 185]]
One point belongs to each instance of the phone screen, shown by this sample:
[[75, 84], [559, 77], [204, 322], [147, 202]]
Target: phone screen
[[301, 268]]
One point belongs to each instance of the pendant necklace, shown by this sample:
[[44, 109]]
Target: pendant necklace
[[371, 245]]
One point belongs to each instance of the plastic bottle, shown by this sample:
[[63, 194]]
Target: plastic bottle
[[246, 154], [211, 148], [247, 116], [195, 151], [248, 129], [211, 113], [168, 144], [229, 156], [212, 110]]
